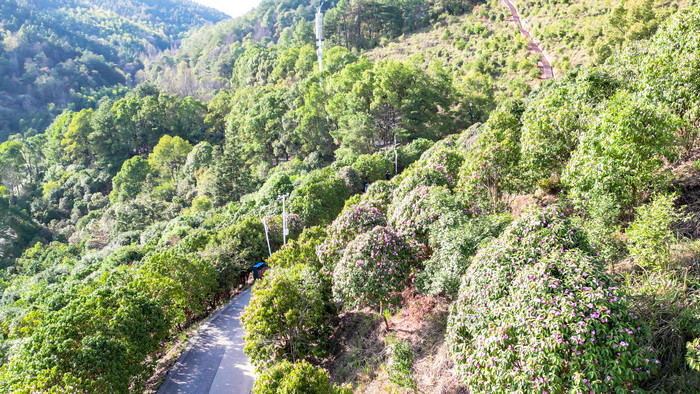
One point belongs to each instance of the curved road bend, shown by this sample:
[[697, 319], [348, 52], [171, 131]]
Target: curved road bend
[[547, 71], [215, 363]]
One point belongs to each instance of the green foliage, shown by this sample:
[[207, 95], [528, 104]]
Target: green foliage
[[301, 250], [536, 311], [169, 156], [374, 266], [614, 158], [131, 179], [319, 198], [289, 317], [400, 367], [180, 282], [651, 234], [75, 53], [97, 343], [556, 117], [491, 165], [693, 354], [455, 238], [296, 378]]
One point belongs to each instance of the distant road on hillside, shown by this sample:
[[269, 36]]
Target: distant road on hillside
[[215, 362], [547, 71]]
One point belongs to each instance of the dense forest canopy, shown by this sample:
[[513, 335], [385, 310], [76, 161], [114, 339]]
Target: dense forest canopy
[[544, 231], [72, 53]]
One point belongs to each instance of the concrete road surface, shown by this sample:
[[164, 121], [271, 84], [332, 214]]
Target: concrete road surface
[[215, 363]]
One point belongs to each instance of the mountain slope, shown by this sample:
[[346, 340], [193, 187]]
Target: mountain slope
[[70, 53]]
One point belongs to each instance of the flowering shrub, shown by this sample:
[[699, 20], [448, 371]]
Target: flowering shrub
[[357, 219], [373, 266], [289, 316], [412, 152], [692, 354], [297, 378], [438, 169], [536, 313], [454, 238], [413, 215]]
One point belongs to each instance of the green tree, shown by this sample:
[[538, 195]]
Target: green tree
[[169, 156], [131, 179], [289, 317]]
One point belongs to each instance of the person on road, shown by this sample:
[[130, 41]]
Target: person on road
[[387, 175]]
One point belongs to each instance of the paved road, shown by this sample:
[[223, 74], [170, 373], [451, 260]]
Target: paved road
[[215, 362], [547, 71]]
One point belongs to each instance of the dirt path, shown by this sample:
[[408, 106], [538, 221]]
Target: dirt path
[[547, 71], [215, 363]]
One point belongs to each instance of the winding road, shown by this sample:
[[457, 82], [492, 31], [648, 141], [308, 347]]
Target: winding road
[[214, 362], [547, 71]]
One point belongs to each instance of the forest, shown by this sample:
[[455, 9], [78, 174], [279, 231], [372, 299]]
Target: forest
[[533, 235]]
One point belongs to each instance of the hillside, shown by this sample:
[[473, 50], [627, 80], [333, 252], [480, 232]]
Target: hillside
[[456, 223], [60, 54]]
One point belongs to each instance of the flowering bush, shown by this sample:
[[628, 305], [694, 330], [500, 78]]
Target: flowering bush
[[357, 219], [297, 378], [373, 266], [413, 215], [289, 316], [454, 238], [693, 354], [537, 313], [437, 169]]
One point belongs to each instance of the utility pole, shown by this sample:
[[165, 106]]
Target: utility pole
[[267, 237], [319, 39], [285, 229], [396, 157]]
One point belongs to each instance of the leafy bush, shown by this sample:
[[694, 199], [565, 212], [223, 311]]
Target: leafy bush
[[490, 168], [373, 167], [412, 152], [97, 343], [374, 265], [438, 167], [556, 117], [454, 238], [353, 221], [615, 157], [289, 316], [536, 312], [296, 378], [301, 250], [400, 367], [182, 283], [319, 198], [693, 354], [651, 234], [413, 215]]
